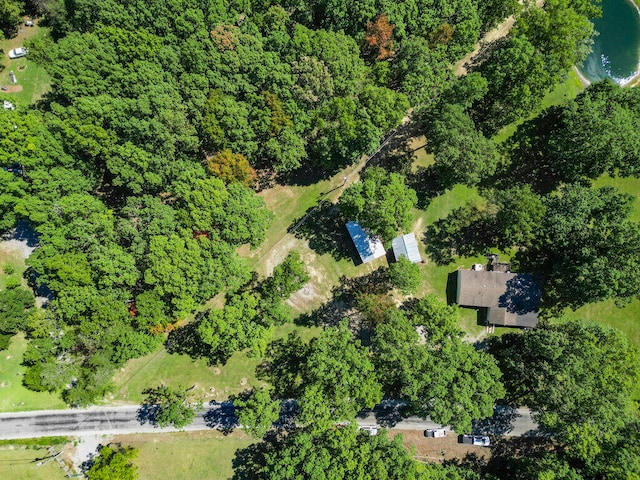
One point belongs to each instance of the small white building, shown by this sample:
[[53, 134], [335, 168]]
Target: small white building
[[406, 246]]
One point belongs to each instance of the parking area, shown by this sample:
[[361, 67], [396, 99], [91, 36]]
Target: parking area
[[438, 449]]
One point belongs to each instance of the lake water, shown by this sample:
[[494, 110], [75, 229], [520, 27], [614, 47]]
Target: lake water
[[616, 50]]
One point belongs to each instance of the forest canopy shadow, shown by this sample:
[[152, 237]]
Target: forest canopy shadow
[[325, 230], [186, 341]]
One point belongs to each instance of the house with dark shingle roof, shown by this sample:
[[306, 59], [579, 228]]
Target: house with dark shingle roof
[[508, 299]]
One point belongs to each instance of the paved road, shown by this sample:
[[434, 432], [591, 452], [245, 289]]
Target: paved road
[[130, 419]]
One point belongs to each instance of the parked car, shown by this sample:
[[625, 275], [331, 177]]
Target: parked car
[[371, 429], [28, 23], [435, 433], [18, 52], [477, 440]]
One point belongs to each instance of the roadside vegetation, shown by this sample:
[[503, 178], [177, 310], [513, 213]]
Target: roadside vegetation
[[188, 168]]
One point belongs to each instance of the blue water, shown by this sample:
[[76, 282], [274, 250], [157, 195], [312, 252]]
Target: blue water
[[616, 51]]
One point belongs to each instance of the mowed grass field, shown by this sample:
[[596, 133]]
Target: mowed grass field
[[14, 397], [33, 80], [189, 455], [217, 382], [22, 464]]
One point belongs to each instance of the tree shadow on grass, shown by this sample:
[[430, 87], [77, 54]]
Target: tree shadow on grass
[[507, 454], [248, 461], [324, 228], [424, 182], [456, 235]]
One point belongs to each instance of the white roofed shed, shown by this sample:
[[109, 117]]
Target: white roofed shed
[[406, 246]]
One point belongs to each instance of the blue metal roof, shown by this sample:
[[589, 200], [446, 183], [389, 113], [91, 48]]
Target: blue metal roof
[[369, 248]]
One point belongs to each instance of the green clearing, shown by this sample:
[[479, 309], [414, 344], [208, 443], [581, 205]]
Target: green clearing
[[22, 464], [176, 370], [10, 262], [197, 455], [567, 90], [213, 382], [14, 397], [33, 79]]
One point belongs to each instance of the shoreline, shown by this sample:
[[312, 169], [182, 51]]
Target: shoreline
[[632, 81]]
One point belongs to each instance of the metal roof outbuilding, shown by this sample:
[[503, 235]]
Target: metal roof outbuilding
[[406, 246], [369, 247]]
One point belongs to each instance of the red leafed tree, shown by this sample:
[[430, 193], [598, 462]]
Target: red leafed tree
[[232, 167], [379, 36]]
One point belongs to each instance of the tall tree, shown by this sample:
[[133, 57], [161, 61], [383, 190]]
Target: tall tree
[[380, 201], [257, 412], [462, 154], [576, 376], [338, 379], [586, 247], [405, 275], [420, 357], [114, 461], [172, 406], [336, 453]]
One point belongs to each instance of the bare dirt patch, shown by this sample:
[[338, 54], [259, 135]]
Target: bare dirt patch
[[278, 253], [84, 449], [490, 37], [14, 250], [12, 88], [315, 291], [438, 449]]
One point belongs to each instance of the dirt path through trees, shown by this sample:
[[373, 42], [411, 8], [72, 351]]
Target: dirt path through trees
[[485, 42]]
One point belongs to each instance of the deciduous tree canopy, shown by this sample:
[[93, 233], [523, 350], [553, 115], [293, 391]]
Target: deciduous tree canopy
[[380, 201]]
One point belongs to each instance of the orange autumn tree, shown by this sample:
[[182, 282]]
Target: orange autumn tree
[[224, 37], [232, 167], [379, 36], [441, 35]]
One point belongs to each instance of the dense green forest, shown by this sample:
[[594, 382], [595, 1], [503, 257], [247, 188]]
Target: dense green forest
[[139, 172]]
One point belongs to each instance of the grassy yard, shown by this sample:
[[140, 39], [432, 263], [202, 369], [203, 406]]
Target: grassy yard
[[567, 90], [33, 80], [14, 397], [213, 382], [196, 455], [11, 267], [21, 464]]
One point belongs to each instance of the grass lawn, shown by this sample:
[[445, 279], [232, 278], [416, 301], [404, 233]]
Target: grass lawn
[[562, 92], [33, 80], [630, 185], [21, 464], [180, 370], [14, 397], [10, 262], [195, 455]]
